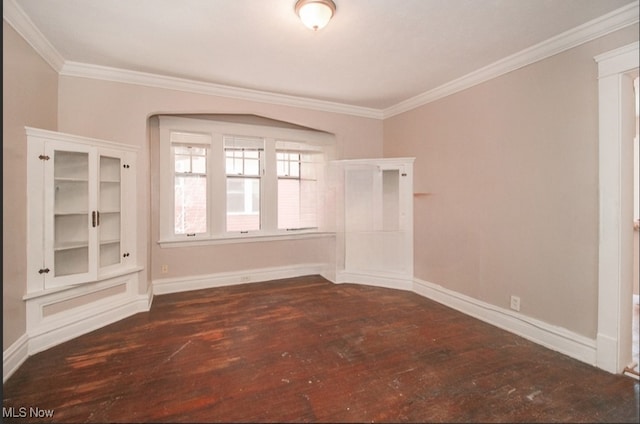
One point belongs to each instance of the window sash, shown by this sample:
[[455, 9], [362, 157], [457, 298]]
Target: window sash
[[303, 160], [190, 185], [297, 196], [244, 188], [190, 205]]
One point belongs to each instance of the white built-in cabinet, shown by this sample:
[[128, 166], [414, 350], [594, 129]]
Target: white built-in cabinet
[[81, 210], [375, 221]]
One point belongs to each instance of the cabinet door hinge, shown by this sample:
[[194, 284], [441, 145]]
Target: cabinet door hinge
[[43, 157]]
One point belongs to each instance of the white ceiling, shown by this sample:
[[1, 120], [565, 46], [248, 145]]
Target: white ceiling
[[373, 54]]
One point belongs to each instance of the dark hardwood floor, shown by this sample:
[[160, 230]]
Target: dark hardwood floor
[[305, 350]]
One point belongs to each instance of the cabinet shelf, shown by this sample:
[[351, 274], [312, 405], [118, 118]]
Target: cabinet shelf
[[70, 213], [79, 202], [71, 180], [109, 241], [69, 245]]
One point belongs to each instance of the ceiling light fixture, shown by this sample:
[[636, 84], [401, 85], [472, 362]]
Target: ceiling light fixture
[[315, 14]]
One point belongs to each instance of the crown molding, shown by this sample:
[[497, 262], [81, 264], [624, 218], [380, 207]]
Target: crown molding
[[19, 21], [608, 23], [84, 70], [613, 21]]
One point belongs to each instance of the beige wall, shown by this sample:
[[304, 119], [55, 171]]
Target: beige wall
[[120, 112], [30, 88], [511, 171]]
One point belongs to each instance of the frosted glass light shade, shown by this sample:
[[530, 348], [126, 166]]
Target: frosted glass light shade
[[315, 14]]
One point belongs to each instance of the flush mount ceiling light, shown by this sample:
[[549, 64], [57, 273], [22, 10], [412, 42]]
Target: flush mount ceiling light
[[315, 14]]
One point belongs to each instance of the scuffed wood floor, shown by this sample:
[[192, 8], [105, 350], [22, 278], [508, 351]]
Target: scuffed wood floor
[[305, 350]]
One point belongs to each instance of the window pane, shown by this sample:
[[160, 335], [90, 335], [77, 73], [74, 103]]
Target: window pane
[[294, 169], [288, 164], [199, 164], [242, 162], [233, 162], [181, 150], [190, 205], [229, 166], [235, 195], [182, 163], [198, 151], [308, 204], [288, 203], [296, 203], [281, 168], [251, 167], [243, 204], [190, 159]]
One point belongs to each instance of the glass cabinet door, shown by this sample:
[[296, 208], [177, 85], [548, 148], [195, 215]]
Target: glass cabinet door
[[109, 211], [71, 214], [77, 219]]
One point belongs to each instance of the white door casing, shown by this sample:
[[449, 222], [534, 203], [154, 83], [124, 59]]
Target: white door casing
[[616, 132]]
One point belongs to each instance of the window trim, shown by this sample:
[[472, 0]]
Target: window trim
[[298, 139]]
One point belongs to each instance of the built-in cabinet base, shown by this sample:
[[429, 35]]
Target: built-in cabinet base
[[55, 317]]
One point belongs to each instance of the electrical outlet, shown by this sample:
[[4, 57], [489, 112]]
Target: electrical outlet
[[515, 303], [164, 268]]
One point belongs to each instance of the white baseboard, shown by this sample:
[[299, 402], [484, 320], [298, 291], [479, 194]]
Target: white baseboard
[[78, 323], [555, 338], [377, 280], [85, 320], [608, 353], [176, 285], [14, 356]]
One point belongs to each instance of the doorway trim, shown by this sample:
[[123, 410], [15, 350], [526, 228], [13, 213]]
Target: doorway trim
[[613, 343]]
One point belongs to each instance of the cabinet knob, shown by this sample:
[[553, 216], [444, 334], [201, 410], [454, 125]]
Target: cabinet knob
[[125, 255]]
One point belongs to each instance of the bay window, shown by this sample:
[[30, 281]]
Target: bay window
[[229, 181]]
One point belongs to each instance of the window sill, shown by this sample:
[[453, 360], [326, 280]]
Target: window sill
[[244, 238]]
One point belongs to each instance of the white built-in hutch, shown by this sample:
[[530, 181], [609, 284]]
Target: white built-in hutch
[[374, 225], [81, 249]]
